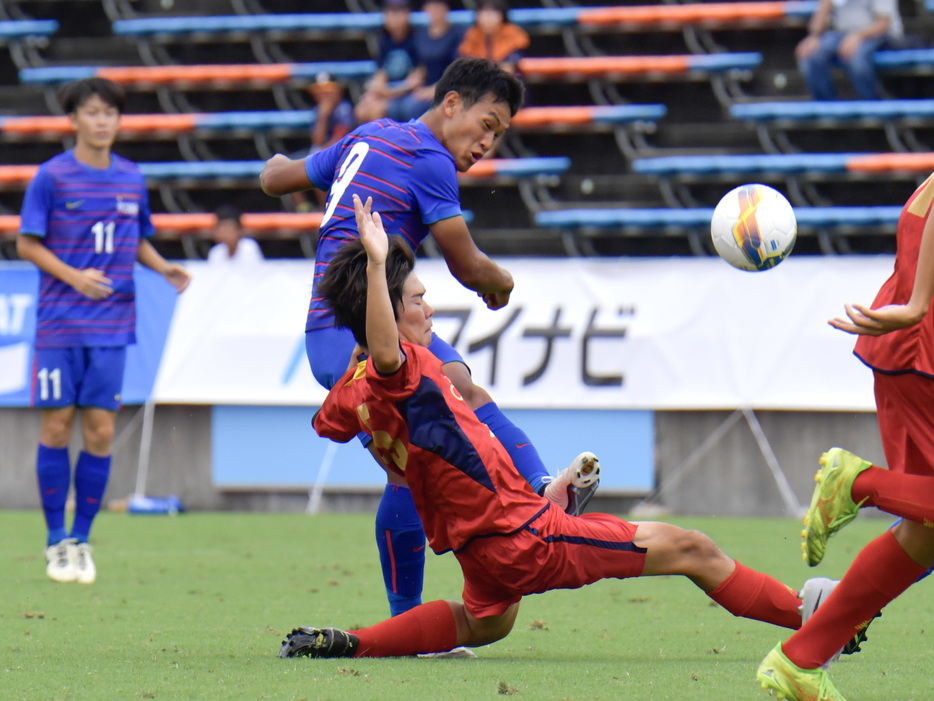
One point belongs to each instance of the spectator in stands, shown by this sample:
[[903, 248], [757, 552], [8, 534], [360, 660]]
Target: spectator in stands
[[232, 246], [494, 37], [846, 34], [436, 46], [398, 72]]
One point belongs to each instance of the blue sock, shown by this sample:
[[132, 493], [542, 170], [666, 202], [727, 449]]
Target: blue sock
[[517, 444], [91, 475], [401, 542], [53, 473]]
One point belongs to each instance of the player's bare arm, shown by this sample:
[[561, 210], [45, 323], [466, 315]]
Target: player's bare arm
[[864, 321], [174, 274], [471, 266], [90, 282], [382, 334], [282, 175]]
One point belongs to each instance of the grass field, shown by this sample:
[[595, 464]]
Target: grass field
[[195, 607]]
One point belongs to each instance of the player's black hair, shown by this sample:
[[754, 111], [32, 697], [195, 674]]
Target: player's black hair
[[344, 283], [73, 95], [227, 212], [473, 78]]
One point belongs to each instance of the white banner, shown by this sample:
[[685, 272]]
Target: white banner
[[685, 333]]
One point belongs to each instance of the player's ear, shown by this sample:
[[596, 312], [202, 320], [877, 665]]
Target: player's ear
[[450, 103]]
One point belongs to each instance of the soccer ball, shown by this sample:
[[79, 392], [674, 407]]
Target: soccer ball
[[753, 227]]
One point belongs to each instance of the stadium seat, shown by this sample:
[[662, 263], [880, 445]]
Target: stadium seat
[[11, 30], [584, 117], [702, 13], [577, 69], [834, 111], [786, 164], [905, 60]]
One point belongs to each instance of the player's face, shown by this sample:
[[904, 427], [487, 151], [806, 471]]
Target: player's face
[[96, 123], [414, 322], [470, 133]]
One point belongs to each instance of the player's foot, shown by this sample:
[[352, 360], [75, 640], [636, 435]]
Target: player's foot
[[781, 677], [87, 572], [575, 485], [458, 653], [319, 642], [832, 505], [61, 561]]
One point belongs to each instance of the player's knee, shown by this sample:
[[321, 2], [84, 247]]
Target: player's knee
[[490, 630], [56, 430], [696, 549], [98, 437]]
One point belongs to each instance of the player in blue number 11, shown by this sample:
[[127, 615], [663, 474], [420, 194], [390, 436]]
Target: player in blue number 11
[[409, 169], [84, 223]]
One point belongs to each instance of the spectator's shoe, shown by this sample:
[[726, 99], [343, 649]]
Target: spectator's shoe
[[575, 485], [62, 561], [458, 653], [319, 642], [782, 678], [87, 572], [832, 505]]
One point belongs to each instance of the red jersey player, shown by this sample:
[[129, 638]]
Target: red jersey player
[[897, 343], [508, 540]]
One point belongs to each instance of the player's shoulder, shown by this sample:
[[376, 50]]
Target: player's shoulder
[[125, 165], [412, 137]]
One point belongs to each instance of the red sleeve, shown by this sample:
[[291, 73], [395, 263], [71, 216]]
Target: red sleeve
[[402, 383], [337, 419]]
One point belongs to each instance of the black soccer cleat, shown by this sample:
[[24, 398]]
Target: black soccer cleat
[[319, 642], [853, 645]]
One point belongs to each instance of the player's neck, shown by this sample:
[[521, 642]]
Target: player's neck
[[91, 156]]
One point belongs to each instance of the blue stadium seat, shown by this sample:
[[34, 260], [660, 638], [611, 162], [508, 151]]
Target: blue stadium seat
[[811, 110], [744, 164], [27, 28]]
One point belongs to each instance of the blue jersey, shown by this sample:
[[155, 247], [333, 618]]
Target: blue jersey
[[89, 218], [403, 167]]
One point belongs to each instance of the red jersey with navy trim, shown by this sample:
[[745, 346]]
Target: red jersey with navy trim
[[911, 349], [463, 482]]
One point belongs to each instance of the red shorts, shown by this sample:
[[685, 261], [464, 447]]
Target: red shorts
[[905, 405], [555, 551]]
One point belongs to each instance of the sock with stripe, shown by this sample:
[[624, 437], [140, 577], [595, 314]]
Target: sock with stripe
[[755, 595], [91, 474], [524, 455], [401, 542], [426, 628], [881, 571], [53, 474]]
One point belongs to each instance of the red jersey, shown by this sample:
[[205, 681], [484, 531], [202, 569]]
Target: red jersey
[[911, 349], [463, 482]]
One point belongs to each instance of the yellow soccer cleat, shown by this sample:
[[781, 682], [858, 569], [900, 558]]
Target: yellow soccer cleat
[[782, 678], [832, 505]]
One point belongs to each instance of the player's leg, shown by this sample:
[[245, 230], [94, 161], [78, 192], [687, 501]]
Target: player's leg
[[53, 391]]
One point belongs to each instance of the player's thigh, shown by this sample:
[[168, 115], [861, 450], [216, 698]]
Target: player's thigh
[[905, 406], [489, 629], [56, 376], [102, 382], [917, 540], [330, 352]]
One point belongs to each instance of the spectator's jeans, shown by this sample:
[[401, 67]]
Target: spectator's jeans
[[818, 69]]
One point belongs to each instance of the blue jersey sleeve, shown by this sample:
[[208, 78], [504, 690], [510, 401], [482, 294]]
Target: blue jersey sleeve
[[37, 205], [434, 184], [146, 229], [320, 166]]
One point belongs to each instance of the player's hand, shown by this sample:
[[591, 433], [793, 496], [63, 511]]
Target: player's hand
[[372, 233], [876, 322], [177, 276], [494, 300], [93, 283]]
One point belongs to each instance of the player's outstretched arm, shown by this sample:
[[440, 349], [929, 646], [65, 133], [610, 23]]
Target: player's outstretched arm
[[874, 322], [471, 266], [382, 335], [90, 282], [282, 175], [174, 274]]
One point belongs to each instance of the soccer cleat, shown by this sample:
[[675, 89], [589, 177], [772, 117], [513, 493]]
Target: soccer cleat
[[832, 505], [782, 678], [575, 485], [61, 558], [458, 653], [319, 642], [87, 572]]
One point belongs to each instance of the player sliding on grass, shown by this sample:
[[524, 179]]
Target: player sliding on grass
[[896, 338], [509, 541], [410, 170]]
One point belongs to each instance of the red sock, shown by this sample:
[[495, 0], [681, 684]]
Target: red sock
[[755, 595], [881, 571], [909, 496], [426, 628]]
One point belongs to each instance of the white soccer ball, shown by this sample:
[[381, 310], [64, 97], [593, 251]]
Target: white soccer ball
[[753, 227]]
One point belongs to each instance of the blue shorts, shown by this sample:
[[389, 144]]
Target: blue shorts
[[83, 376], [329, 352]]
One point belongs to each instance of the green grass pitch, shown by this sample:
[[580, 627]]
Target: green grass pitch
[[195, 607]]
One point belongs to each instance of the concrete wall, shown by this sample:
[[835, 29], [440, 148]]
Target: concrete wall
[[732, 478]]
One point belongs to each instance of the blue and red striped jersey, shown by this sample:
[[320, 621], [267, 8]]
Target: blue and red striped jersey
[[403, 167], [89, 218]]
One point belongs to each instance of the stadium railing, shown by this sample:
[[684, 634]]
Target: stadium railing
[[687, 66]]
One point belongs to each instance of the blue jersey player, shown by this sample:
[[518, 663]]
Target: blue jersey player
[[410, 171], [84, 223]]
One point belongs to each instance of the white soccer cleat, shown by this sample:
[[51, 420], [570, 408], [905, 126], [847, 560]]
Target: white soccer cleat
[[86, 570], [61, 561], [458, 653], [574, 485]]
